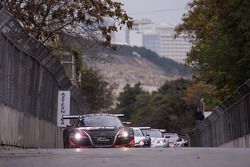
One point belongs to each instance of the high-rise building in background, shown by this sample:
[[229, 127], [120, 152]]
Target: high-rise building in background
[[171, 47], [152, 42], [158, 38]]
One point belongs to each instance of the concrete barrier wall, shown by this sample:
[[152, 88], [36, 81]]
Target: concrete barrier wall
[[243, 142], [30, 78], [19, 129]]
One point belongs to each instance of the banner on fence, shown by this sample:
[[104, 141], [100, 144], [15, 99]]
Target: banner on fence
[[63, 108]]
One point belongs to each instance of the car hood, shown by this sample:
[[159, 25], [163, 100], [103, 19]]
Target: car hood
[[155, 139], [101, 130], [138, 139]]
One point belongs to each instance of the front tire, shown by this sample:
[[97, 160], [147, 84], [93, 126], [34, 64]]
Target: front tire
[[65, 146]]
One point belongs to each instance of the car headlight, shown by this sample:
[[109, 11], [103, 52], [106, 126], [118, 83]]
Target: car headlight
[[161, 141], [123, 134], [141, 143], [78, 136]]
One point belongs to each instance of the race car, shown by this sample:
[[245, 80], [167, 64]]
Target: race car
[[146, 133], [157, 138], [138, 137], [97, 130]]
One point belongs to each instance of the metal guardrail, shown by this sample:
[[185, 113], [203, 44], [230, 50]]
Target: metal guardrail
[[228, 122]]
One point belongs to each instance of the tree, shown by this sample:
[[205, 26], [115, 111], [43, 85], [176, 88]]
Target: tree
[[44, 19], [127, 99], [165, 108], [198, 90], [169, 110], [98, 92], [220, 34]]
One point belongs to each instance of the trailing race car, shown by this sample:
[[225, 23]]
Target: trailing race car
[[138, 137], [146, 133], [157, 138], [97, 130]]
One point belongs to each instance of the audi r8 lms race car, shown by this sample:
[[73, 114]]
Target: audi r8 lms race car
[[97, 130]]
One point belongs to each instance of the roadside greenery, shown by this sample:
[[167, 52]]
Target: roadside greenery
[[128, 99], [220, 34], [166, 108], [98, 92]]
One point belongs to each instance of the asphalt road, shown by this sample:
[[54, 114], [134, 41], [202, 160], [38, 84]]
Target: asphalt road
[[126, 157]]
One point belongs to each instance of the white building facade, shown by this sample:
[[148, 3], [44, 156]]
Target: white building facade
[[171, 47], [158, 38]]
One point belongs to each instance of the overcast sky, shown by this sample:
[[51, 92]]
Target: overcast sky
[[159, 11]]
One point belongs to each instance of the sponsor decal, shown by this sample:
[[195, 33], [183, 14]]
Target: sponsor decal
[[103, 139]]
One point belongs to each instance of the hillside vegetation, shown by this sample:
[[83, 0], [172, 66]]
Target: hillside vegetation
[[131, 65], [171, 67]]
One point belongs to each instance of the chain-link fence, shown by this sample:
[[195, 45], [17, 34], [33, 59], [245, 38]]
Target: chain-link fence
[[229, 122], [30, 77]]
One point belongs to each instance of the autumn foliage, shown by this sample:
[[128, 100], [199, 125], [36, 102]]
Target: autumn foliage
[[44, 19]]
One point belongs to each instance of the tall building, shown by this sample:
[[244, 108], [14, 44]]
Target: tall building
[[171, 47], [119, 37], [152, 42], [158, 38], [135, 38]]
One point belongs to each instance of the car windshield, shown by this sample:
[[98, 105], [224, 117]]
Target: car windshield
[[172, 136], [137, 132], [99, 120], [145, 132], [155, 133]]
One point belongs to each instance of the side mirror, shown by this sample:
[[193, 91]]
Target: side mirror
[[167, 136]]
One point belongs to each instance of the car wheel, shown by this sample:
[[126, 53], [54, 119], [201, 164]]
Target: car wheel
[[65, 145]]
